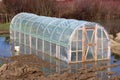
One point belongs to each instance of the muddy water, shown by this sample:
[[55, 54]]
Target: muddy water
[[4, 47], [64, 67]]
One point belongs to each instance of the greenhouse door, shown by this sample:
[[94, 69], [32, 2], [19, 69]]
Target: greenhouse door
[[89, 44]]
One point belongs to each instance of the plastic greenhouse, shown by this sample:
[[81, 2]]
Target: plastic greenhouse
[[65, 39]]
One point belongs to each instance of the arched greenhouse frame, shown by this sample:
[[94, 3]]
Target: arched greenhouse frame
[[69, 40]]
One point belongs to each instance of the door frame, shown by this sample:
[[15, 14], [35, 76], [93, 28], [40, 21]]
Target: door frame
[[84, 51]]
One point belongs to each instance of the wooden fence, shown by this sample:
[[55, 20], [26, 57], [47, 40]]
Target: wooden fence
[[5, 18]]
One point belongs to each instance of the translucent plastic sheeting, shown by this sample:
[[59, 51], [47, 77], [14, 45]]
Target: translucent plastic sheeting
[[66, 39], [54, 30]]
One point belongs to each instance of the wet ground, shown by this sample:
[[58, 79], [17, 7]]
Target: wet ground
[[31, 67], [58, 70]]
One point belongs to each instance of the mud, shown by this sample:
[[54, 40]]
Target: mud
[[27, 67]]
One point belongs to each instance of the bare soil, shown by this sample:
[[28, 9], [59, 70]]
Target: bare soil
[[27, 67]]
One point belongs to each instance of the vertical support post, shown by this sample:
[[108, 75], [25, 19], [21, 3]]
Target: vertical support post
[[56, 51], [43, 50], [58, 56], [30, 40], [14, 40], [20, 33], [109, 49], [70, 51], [24, 43], [59, 52], [50, 52], [96, 43], [36, 45], [77, 46], [10, 40], [83, 44], [102, 42]]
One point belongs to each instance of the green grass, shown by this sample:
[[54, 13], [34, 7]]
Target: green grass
[[4, 26]]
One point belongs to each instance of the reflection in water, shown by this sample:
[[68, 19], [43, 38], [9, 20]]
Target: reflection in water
[[62, 67]]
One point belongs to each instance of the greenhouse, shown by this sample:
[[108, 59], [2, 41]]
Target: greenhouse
[[68, 40]]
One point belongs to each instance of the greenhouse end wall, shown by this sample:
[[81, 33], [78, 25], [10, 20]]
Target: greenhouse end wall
[[66, 39]]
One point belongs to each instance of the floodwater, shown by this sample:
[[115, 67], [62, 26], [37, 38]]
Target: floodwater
[[4, 48], [5, 52]]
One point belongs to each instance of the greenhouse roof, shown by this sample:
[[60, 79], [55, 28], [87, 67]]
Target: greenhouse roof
[[51, 29]]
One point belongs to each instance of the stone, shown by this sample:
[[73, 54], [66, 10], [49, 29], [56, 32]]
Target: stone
[[115, 47], [117, 39]]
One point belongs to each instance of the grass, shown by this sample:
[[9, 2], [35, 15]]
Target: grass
[[4, 26]]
